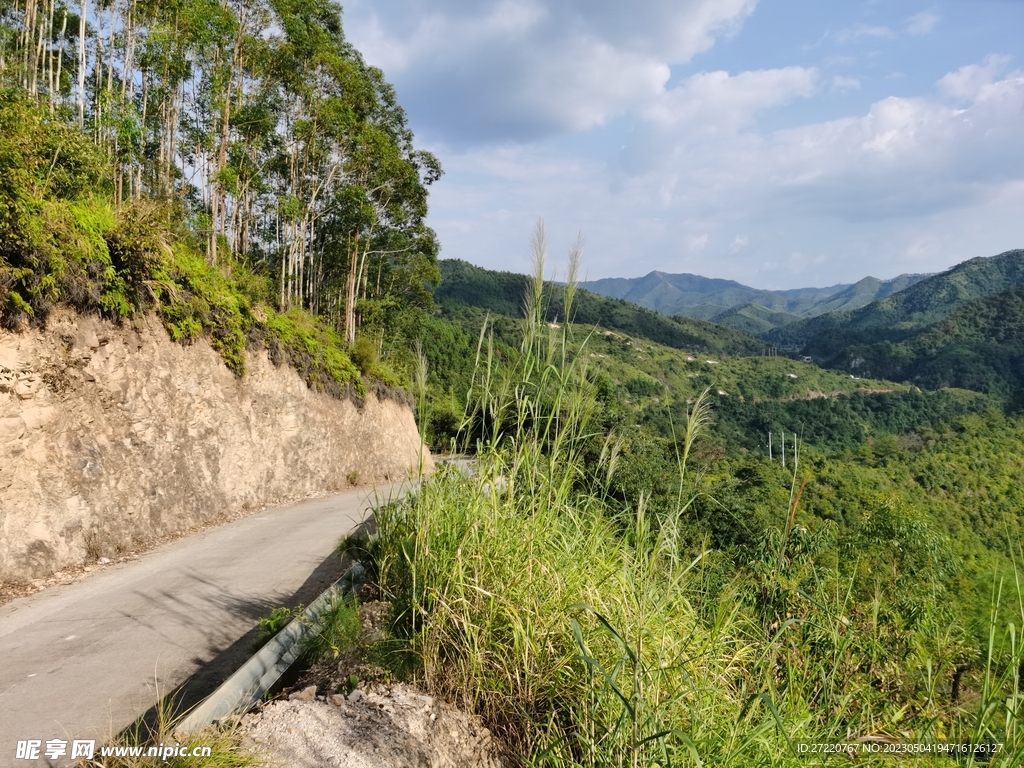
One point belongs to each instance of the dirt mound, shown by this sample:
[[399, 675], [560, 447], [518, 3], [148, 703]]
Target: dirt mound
[[375, 726]]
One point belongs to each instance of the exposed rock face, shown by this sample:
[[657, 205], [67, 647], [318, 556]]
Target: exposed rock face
[[111, 437]]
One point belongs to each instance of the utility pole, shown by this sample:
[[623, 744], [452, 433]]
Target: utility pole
[[783, 449], [770, 446]]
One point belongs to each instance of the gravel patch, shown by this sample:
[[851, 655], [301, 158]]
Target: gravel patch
[[378, 724], [374, 726]]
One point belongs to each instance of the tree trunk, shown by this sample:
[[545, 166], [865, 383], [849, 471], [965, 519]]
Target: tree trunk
[[350, 293], [60, 51], [83, 10]]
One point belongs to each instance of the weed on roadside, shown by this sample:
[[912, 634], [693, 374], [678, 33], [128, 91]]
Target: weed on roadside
[[212, 748], [339, 630]]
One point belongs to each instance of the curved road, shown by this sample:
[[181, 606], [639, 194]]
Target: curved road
[[87, 659]]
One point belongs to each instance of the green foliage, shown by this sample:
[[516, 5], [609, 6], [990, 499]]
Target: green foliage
[[315, 351], [41, 157], [52, 232], [275, 621], [60, 254], [844, 422], [339, 627], [363, 354], [194, 299], [753, 609]]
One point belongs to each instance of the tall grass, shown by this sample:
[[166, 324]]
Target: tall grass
[[585, 635]]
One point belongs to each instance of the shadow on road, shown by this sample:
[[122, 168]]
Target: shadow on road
[[216, 670]]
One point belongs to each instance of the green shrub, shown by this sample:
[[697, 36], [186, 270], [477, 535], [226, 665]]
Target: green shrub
[[364, 354], [275, 621]]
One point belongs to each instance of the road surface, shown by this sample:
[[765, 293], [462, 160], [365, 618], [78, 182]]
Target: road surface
[[87, 659]]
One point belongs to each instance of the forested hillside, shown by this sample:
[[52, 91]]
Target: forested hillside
[[753, 319], [957, 329], [650, 384], [980, 346], [863, 292], [464, 286], [238, 168], [903, 313]]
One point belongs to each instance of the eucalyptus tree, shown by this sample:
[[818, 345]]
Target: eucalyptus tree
[[258, 123], [352, 185]]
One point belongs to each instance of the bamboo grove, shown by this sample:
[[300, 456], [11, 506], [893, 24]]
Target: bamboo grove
[[258, 124]]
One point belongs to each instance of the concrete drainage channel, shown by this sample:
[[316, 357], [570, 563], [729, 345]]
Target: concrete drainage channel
[[244, 688]]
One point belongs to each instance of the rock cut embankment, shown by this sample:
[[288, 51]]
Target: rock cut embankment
[[112, 437]]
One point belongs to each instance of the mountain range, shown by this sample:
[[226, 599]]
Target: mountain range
[[751, 310], [468, 289], [960, 328]]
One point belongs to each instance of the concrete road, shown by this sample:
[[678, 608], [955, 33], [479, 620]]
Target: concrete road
[[87, 659]]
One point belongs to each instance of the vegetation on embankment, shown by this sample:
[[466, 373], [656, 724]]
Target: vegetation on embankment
[[722, 614], [120, 262], [239, 168], [64, 239]]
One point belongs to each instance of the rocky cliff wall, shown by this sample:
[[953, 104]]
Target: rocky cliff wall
[[111, 438]]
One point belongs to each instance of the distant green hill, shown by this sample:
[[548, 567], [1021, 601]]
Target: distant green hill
[[979, 346], [704, 298], [753, 319], [683, 294], [865, 291], [902, 314], [465, 286]]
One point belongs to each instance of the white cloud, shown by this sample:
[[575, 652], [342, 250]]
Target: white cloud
[[922, 23], [521, 69], [971, 81], [865, 31], [904, 156], [713, 101], [898, 188], [698, 242]]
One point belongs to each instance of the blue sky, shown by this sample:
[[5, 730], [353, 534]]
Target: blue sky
[[774, 142]]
